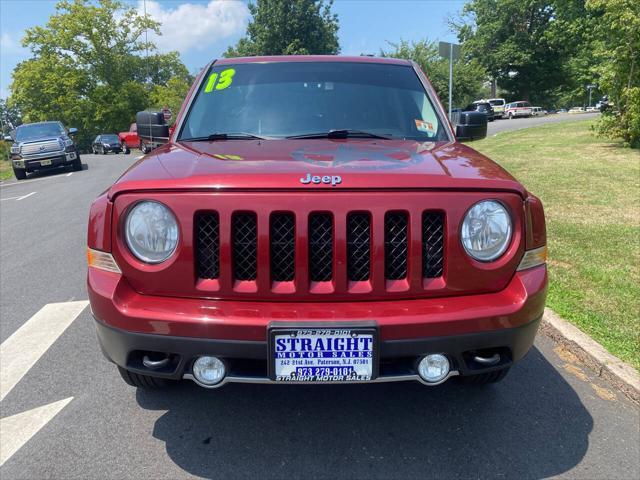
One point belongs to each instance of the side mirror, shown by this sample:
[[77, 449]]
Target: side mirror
[[73, 131], [471, 126], [151, 127], [8, 138]]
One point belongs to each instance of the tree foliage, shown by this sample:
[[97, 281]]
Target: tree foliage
[[468, 74], [616, 48], [291, 27], [88, 68], [526, 45], [10, 117]]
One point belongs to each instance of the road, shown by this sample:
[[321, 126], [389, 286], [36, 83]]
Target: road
[[499, 126], [71, 416]]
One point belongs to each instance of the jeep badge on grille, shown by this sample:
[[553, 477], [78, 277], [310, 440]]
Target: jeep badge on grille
[[326, 179]]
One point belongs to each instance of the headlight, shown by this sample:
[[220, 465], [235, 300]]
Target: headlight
[[486, 230], [151, 231], [105, 145], [68, 142]]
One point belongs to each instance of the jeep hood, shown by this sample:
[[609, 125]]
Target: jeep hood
[[281, 164]]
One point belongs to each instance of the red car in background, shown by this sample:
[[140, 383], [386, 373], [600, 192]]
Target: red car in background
[[315, 219], [130, 140]]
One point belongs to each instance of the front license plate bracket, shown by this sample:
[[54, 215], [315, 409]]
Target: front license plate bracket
[[329, 371]]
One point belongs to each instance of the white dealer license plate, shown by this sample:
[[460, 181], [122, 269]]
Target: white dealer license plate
[[45, 162], [323, 354]]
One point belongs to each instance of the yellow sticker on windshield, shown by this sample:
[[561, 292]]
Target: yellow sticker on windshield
[[219, 81]]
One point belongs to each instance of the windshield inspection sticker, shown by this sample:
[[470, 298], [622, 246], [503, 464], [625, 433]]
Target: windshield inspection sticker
[[426, 127], [219, 81]]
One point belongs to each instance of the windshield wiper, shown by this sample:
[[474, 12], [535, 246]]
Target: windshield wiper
[[342, 133], [225, 136]]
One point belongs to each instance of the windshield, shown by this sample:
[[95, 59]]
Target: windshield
[[285, 99], [109, 138], [496, 102], [38, 130]]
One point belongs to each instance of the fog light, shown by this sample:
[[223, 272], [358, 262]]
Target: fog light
[[208, 370], [433, 368]]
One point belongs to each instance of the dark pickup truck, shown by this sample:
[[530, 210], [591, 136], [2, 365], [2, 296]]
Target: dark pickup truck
[[41, 146]]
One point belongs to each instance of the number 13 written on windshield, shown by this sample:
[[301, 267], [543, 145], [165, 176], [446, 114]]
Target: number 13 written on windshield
[[219, 81]]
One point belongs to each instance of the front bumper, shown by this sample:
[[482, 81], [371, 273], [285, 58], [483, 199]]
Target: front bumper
[[113, 148], [40, 162], [247, 361], [131, 325]]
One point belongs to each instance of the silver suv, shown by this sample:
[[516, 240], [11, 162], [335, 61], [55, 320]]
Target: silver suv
[[40, 146]]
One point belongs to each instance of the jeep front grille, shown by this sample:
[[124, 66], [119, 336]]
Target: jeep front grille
[[342, 251]]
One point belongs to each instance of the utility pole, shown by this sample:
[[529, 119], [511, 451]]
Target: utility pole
[[450, 76], [590, 88], [452, 52]]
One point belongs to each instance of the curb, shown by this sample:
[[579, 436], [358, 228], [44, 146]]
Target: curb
[[594, 355]]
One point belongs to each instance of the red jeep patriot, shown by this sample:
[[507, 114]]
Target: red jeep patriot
[[315, 220]]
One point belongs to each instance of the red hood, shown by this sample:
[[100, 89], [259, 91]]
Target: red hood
[[280, 164]]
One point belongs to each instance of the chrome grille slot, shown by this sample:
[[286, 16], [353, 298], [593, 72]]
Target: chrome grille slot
[[282, 245], [396, 246], [432, 244], [207, 240], [358, 246], [320, 247], [245, 246]]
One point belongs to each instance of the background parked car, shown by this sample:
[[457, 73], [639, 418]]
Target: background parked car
[[518, 109], [538, 111], [498, 105], [105, 143], [130, 140], [577, 110], [483, 107], [42, 146]]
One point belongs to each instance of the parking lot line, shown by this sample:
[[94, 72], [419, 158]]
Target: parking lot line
[[25, 346], [18, 429], [17, 199]]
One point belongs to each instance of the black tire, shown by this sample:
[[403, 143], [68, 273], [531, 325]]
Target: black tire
[[125, 149], [141, 381], [77, 164], [20, 173], [485, 378], [144, 148]]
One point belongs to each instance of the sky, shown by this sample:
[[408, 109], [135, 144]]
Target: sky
[[203, 29]]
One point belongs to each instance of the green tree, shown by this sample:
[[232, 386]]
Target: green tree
[[10, 117], [616, 46], [170, 95], [468, 75], [89, 68], [526, 45], [289, 27]]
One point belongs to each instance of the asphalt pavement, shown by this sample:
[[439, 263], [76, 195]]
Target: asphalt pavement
[[505, 125], [71, 416]]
